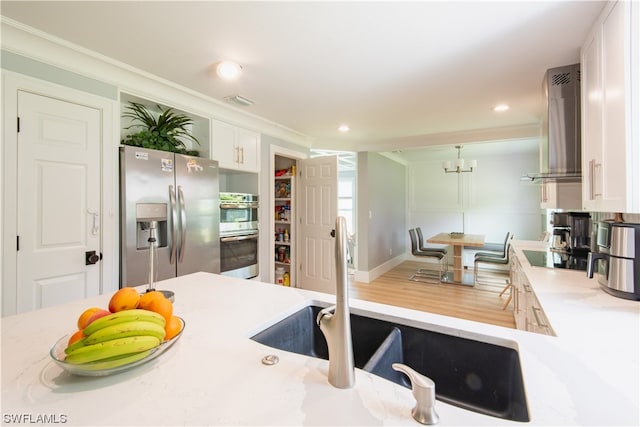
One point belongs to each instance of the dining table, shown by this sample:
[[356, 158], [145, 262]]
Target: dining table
[[458, 240]]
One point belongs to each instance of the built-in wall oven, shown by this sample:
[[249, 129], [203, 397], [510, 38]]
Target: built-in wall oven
[[239, 235]]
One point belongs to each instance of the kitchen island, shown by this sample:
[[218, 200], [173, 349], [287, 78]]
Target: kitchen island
[[587, 375]]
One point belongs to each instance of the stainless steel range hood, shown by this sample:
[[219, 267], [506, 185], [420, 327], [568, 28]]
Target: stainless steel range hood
[[560, 153]]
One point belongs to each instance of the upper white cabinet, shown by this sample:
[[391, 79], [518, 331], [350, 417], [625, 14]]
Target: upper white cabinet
[[234, 147], [610, 110], [560, 195]]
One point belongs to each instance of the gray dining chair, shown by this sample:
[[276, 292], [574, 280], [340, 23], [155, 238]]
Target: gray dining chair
[[494, 258], [427, 248], [496, 251], [427, 274]]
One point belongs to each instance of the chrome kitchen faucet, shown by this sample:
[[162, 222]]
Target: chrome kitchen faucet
[[335, 323]]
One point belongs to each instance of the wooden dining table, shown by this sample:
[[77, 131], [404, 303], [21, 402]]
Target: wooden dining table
[[458, 241]]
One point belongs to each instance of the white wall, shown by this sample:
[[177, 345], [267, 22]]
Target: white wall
[[491, 200]]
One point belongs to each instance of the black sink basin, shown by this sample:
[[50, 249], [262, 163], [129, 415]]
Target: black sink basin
[[300, 334], [474, 375]]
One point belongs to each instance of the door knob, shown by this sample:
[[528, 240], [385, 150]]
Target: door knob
[[333, 233], [91, 257]]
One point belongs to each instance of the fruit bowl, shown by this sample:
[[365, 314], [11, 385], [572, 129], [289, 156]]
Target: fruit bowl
[[456, 234], [94, 370]]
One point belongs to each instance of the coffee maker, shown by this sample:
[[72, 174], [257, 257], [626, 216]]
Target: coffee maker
[[571, 232], [619, 255], [561, 231], [579, 232]]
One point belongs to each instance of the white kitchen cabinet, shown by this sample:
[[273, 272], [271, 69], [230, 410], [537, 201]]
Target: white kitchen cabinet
[[560, 195], [610, 100], [527, 310], [234, 147]]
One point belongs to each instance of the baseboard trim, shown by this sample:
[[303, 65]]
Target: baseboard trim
[[371, 275]]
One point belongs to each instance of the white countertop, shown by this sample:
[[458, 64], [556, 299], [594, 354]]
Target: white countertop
[[588, 375]]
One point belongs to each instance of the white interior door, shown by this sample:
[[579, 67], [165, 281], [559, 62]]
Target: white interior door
[[318, 206], [59, 201]]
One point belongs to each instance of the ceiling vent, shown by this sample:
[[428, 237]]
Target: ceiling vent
[[238, 100]]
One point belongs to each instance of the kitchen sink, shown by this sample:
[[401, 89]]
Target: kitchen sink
[[475, 375]]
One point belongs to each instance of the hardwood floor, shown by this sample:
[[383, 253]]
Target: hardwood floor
[[481, 303]]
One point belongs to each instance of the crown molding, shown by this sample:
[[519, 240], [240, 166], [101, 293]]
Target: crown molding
[[37, 45]]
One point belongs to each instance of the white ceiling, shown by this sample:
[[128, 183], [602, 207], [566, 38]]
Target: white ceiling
[[401, 74]]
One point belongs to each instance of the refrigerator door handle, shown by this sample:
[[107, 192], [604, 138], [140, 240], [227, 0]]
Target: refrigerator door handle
[[183, 224], [174, 224]]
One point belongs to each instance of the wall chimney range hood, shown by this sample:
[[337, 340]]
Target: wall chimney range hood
[[560, 146]]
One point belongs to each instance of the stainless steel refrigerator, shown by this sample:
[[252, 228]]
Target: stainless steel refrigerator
[[180, 193]]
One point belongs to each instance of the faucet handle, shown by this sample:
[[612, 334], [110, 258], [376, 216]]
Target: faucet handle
[[424, 391], [329, 311]]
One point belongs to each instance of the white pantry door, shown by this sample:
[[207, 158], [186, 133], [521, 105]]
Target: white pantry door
[[318, 211], [59, 196]]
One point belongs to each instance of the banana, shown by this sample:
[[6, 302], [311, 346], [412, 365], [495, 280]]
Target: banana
[[112, 348], [116, 361], [126, 329], [75, 345], [121, 317]]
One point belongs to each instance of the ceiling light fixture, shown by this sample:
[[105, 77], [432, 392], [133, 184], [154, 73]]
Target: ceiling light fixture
[[459, 164], [344, 128], [501, 107], [228, 70]]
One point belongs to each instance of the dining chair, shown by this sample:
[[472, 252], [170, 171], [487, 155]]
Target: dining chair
[[427, 248], [495, 259], [499, 252], [423, 274]]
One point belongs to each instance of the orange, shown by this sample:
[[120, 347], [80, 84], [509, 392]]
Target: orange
[[147, 297], [124, 299], [172, 328], [83, 320], [77, 336], [160, 304]]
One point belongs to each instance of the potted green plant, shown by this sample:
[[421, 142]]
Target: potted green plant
[[165, 132]]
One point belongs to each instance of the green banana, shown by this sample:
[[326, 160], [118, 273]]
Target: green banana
[[75, 345], [116, 361], [126, 329], [122, 317], [111, 348]]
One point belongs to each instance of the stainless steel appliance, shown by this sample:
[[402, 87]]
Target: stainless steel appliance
[[238, 213], [618, 269], [560, 232], [579, 231], [239, 235], [571, 231], [180, 193], [562, 87], [561, 138]]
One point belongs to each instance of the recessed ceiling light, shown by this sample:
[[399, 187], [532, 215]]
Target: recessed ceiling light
[[228, 70], [501, 107], [344, 128]]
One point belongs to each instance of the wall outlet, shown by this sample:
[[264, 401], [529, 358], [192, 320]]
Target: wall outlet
[[390, 251]]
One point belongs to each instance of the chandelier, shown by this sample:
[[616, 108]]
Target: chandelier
[[459, 164]]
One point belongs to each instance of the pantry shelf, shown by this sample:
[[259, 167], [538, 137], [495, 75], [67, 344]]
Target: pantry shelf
[[284, 227]]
